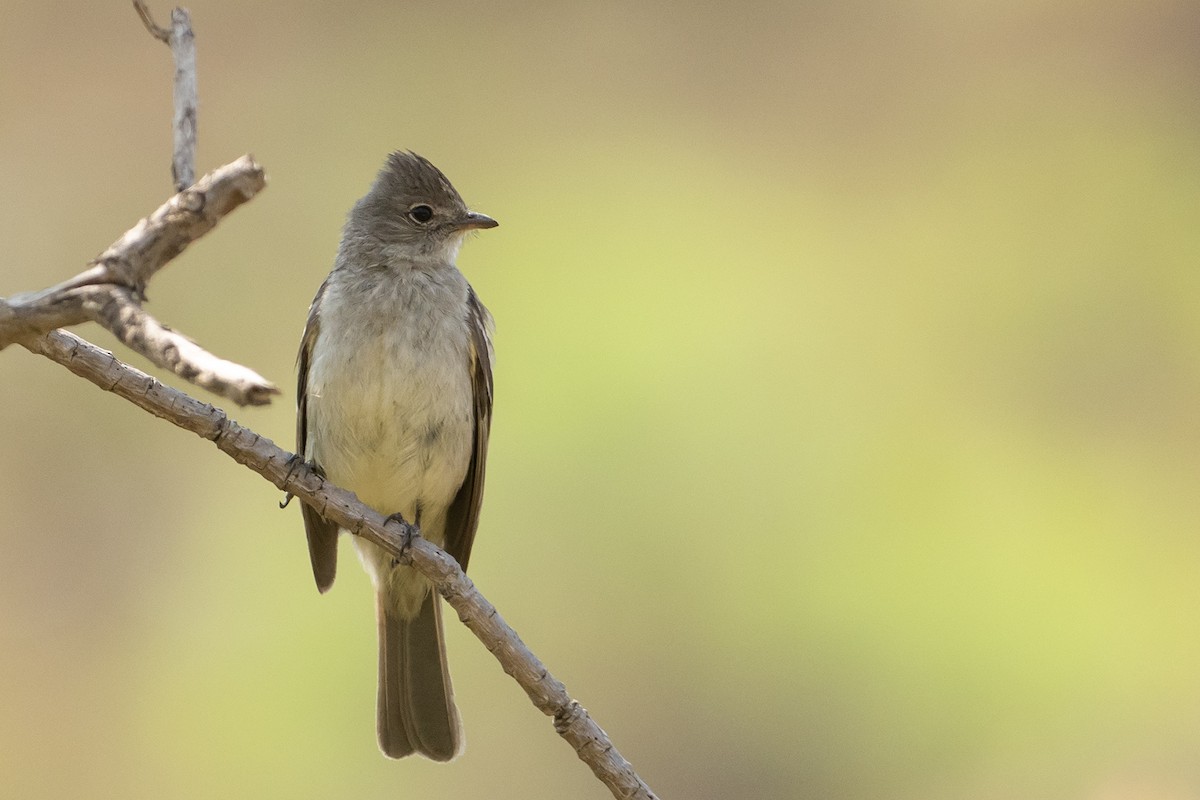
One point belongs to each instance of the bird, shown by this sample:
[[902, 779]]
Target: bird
[[394, 403]]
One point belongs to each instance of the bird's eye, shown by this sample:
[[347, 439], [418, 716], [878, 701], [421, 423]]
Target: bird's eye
[[420, 214]]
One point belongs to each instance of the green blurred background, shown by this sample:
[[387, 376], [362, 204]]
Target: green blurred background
[[846, 434]]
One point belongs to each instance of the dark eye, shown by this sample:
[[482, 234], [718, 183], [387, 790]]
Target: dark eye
[[420, 214]]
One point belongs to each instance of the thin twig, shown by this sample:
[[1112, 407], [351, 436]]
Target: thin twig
[[183, 49], [120, 313], [185, 217], [162, 34], [289, 473]]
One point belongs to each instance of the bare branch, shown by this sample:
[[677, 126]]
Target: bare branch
[[109, 291], [183, 48], [289, 473]]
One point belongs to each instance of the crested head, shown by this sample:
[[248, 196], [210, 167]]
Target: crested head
[[412, 203], [408, 175]]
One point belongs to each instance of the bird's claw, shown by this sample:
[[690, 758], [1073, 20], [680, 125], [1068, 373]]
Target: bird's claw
[[407, 532], [315, 467]]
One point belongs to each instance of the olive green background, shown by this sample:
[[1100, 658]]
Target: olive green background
[[846, 439]]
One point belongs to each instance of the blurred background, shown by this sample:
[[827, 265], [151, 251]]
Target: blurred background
[[846, 439]]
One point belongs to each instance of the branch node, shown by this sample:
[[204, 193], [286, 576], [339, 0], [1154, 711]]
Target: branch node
[[191, 201], [565, 716]]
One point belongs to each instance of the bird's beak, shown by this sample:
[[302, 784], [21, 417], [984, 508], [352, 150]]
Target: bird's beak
[[473, 221]]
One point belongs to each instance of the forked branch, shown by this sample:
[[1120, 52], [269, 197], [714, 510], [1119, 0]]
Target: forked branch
[[111, 290]]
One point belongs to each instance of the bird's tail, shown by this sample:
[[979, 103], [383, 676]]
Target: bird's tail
[[416, 712]]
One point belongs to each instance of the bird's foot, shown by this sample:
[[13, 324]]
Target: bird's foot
[[314, 466], [407, 533]]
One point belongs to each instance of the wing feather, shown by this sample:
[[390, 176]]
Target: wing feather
[[322, 534], [462, 519]]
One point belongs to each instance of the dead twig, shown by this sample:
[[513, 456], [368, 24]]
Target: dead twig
[[182, 41]]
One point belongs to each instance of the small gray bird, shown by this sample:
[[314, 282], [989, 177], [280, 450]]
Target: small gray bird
[[395, 404]]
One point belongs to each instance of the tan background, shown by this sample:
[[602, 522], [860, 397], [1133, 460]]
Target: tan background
[[846, 436]]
